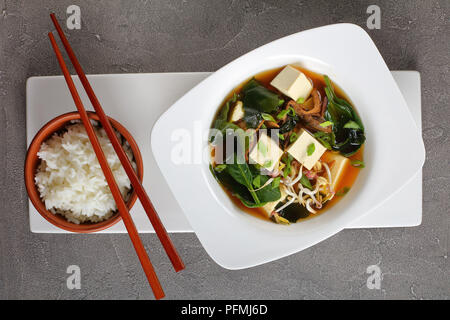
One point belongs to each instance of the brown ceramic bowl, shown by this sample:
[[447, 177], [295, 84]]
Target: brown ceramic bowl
[[32, 161]]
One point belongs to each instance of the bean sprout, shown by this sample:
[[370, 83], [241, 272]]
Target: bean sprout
[[321, 193], [327, 168], [285, 205], [308, 206], [265, 184]]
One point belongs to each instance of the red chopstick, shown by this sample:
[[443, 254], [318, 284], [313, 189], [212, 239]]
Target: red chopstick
[[131, 228], [140, 191]]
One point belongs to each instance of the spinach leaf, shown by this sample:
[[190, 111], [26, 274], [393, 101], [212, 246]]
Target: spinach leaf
[[269, 193], [238, 190], [242, 174], [239, 179], [276, 182], [257, 181]]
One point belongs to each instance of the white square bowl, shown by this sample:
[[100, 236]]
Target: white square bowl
[[393, 153]]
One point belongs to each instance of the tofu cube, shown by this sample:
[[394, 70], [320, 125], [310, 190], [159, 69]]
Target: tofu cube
[[338, 166], [270, 206], [238, 112], [292, 83], [266, 152], [299, 149]]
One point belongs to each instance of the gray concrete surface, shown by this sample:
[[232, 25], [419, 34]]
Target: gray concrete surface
[[162, 36]]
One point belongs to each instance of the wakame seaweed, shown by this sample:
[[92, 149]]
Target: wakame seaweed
[[258, 99], [348, 130], [293, 212], [221, 123], [252, 117], [290, 123]]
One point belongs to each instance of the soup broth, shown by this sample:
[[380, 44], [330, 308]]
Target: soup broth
[[335, 139]]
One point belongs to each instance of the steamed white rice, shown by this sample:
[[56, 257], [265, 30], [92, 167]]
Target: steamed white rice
[[70, 179]]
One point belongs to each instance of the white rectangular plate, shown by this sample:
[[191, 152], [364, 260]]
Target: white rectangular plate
[[137, 101]]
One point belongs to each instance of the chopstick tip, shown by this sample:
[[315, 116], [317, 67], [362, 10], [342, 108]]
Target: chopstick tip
[[159, 296], [179, 268]]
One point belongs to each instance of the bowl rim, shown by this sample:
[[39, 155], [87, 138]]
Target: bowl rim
[[32, 160]]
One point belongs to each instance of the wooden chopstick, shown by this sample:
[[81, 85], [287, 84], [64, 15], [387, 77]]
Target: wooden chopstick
[[140, 191], [131, 228]]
